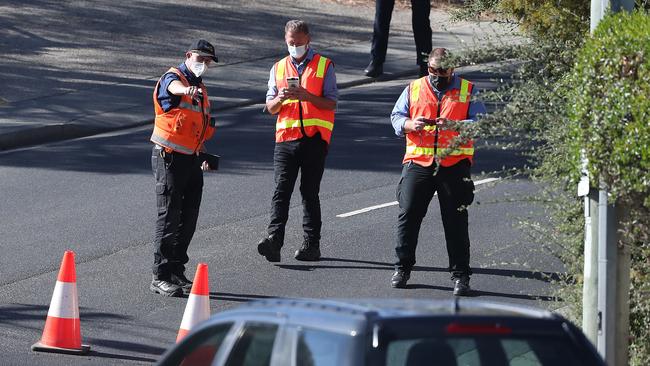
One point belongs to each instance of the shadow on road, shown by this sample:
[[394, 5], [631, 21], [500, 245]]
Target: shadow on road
[[18, 313], [120, 357], [532, 275], [479, 293], [227, 296]]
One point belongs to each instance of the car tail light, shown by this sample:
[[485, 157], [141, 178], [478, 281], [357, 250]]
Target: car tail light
[[456, 328]]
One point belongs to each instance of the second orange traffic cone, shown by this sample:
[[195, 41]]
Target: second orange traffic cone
[[198, 303], [62, 331]]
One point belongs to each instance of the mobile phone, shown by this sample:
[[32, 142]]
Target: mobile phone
[[293, 81], [211, 159]]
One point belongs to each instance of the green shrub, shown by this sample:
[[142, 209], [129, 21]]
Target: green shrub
[[610, 120]]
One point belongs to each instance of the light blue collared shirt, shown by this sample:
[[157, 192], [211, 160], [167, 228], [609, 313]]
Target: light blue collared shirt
[[329, 82], [400, 112]]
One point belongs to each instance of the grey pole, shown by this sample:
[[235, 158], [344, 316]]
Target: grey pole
[[607, 273], [613, 299], [590, 284], [590, 269]]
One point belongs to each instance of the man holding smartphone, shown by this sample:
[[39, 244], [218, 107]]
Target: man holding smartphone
[[302, 92], [181, 127], [436, 161]]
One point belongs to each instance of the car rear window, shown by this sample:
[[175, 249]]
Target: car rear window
[[480, 350]]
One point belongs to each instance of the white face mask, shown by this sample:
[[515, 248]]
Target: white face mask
[[297, 51], [198, 68]]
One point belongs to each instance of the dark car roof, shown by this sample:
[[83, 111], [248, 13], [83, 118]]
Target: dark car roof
[[354, 315]]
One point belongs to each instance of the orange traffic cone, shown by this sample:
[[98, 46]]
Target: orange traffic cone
[[62, 332], [198, 303]]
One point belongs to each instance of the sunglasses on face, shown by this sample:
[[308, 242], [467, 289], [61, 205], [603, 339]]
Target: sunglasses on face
[[438, 71]]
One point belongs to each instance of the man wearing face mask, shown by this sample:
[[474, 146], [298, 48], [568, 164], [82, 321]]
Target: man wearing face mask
[[302, 134], [435, 161], [182, 125]]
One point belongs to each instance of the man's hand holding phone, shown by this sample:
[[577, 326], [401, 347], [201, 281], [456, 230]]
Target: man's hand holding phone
[[416, 124]]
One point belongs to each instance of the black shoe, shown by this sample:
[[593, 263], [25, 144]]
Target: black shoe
[[374, 69], [400, 277], [309, 251], [424, 70], [269, 247], [182, 281], [461, 286], [166, 288]]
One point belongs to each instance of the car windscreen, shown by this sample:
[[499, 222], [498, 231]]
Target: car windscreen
[[479, 342]]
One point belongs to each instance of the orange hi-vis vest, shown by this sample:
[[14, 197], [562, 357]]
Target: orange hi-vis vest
[[186, 127], [288, 125], [433, 142]]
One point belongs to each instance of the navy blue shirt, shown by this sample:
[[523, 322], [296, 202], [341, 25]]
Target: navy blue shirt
[[167, 100]]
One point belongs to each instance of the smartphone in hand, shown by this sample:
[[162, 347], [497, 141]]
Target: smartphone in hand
[[293, 81]]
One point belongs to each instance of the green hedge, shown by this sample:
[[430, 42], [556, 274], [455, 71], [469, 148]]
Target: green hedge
[[609, 110]]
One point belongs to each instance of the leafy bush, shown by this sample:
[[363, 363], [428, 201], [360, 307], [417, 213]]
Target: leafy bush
[[610, 120], [565, 97]]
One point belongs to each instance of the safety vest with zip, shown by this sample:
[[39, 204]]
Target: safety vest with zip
[[434, 142], [296, 116], [186, 127]]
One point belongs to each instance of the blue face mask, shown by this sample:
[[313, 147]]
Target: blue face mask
[[297, 51]]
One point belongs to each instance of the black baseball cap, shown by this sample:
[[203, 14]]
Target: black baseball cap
[[203, 48]]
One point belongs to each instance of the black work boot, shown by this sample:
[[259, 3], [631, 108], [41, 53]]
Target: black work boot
[[269, 247], [165, 288], [461, 286], [374, 69], [309, 251], [182, 281], [400, 277]]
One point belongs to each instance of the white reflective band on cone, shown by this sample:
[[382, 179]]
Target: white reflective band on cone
[[64, 301], [196, 311]]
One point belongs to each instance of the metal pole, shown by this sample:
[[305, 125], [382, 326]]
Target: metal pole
[[607, 272], [596, 13], [590, 284]]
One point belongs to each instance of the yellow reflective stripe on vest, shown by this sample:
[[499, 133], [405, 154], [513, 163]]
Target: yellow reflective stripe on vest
[[195, 108], [287, 124], [305, 122], [320, 72], [279, 72], [289, 101], [415, 91], [464, 88], [415, 150]]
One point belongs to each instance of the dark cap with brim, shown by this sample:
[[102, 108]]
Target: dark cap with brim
[[203, 48]]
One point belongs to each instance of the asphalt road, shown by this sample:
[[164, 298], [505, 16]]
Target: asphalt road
[[95, 196]]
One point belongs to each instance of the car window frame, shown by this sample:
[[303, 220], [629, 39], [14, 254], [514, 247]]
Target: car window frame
[[356, 351], [277, 359]]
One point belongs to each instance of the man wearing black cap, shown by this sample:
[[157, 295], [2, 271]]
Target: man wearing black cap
[[181, 127]]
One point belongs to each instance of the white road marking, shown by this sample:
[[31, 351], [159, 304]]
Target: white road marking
[[372, 208]]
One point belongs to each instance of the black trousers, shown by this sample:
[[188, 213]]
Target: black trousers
[[306, 155], [415, 190], [420, 10], [179, 186]]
